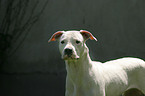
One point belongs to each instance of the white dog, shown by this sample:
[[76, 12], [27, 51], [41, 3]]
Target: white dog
[[91, 78]]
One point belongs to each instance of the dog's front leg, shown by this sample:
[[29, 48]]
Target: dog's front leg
[[69, 87]]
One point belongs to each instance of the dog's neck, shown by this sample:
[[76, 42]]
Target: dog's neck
[[77, 68]]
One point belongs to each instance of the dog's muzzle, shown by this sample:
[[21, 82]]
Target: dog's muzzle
[[69, 54]]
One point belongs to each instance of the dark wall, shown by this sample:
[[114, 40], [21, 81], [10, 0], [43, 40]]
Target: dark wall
[[32, 67]]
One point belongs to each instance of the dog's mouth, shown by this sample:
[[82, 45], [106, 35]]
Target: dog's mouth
[[70, 57]]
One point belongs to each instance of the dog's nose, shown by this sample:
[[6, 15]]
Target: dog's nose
[[68, 51]]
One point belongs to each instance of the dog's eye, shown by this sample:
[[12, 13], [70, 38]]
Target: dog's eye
[[77, 42], [62, 42]]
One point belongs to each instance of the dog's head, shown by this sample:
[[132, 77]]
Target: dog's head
[[71, 43]]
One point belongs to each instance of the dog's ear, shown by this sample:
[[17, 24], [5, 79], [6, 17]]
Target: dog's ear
[[87, 35], [55, 36]]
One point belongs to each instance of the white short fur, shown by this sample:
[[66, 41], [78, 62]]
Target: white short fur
[[91, 78]]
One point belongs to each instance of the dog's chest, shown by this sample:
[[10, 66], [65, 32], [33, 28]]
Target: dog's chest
[[86, 89], [80, 85]]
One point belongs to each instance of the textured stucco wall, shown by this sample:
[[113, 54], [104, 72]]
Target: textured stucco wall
[[119, 26]]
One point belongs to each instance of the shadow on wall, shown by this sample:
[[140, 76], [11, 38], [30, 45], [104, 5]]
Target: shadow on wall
[[16, 22]]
